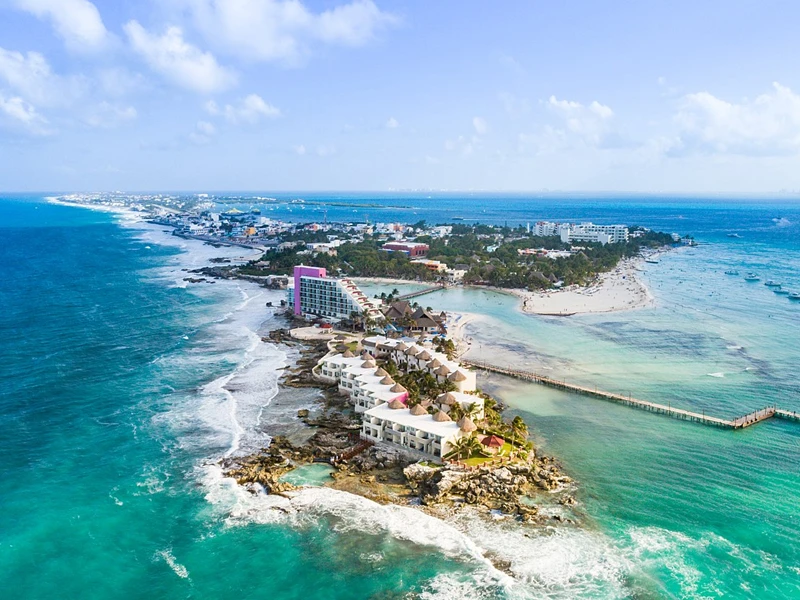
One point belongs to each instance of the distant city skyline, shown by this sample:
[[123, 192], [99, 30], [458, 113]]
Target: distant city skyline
[[212, 95]]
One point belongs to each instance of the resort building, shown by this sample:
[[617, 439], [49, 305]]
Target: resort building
[[432, 265], [312, 293], [414, 430], [589, 232], [426, 428], [408, 355]]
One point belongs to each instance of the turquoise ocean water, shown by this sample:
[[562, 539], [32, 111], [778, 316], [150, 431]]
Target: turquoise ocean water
[[122, 387]]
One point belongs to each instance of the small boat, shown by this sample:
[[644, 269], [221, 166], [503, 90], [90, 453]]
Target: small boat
[[771, 283], [794, 296], [734, 235], [651, 261], [731, 272], [752, 277], [781, 291]]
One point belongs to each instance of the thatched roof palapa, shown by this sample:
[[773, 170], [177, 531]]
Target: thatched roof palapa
[[387, 381], [396, 404], [401, 347], [424, 355], [398, 389], [419, 410], [466, 425], [380, 372], [457, 376], [441, 417], [435, 363], [348, 354], [368, 364], [448, 398], [443, 371]]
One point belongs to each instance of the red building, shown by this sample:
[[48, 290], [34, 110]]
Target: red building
[[413, 249]]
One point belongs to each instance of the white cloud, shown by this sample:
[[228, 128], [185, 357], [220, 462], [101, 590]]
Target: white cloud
[[30, 76], [300, 149], [767, 125], [202, 134], [77, 22], [108, 115], [21, 113], [177, 60], [590, 124], [480, 125], [392, 123], [250, 109], [323, 150], [284, 29]]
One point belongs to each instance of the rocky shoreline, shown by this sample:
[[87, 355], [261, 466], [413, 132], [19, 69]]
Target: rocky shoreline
[[386, 475]]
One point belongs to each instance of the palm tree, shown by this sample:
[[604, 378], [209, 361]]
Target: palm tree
[[464, 447], [471, 410], [520, 429]]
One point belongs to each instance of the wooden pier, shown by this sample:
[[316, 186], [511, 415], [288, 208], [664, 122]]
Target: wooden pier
[[429, 290], [747, 420]]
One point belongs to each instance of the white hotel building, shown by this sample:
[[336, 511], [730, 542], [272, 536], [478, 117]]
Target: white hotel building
[[585, 232], [384, 403], [589, 232], [311, 293]]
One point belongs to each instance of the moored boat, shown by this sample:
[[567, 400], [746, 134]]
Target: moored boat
[[752, 277], [781, 291], [771, 283], [794, 296], [732, 272]]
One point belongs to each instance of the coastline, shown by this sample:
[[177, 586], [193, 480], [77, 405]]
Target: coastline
[[616, 290], [247, 421]]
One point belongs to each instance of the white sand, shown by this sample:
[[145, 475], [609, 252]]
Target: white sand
[[616, 290], [456, 322]]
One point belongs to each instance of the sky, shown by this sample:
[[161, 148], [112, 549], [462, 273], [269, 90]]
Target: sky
[[211, 95]]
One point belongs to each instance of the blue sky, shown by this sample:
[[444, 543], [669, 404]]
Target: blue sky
[[378, 95]]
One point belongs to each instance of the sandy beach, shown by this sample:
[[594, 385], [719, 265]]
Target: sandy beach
[[619, 289]]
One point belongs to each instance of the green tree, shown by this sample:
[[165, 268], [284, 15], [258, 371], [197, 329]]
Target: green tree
[[465, 447]]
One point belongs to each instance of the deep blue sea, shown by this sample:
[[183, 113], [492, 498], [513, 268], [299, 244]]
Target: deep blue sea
[[123, 385]]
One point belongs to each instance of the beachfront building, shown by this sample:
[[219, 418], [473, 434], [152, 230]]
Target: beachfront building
[[384, 402], [409, 355], [414, 429], [585, 232], [312, 293], [589, 232]]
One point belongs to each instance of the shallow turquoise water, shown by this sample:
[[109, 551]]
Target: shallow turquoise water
[[704, 512], [121, 389], [314, 474]]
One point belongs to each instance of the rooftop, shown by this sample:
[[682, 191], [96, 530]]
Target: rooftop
[[423, 422]]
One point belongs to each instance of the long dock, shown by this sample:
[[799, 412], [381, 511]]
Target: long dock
[[418, 293], [747, 420]]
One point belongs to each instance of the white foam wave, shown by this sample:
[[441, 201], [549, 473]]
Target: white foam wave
[[558, 562], [720, 374], [177, 568]]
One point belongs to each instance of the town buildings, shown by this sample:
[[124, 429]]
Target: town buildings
[[412, 249]]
